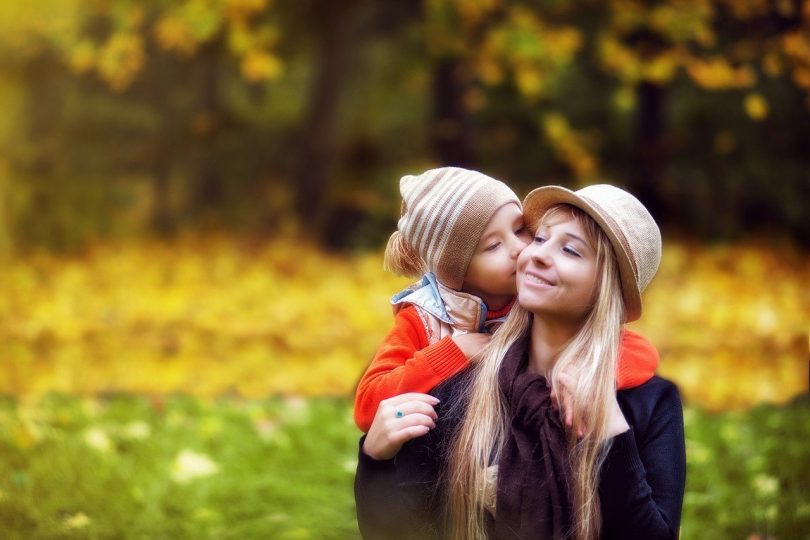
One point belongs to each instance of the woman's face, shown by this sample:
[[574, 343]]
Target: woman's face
[[556, 272]]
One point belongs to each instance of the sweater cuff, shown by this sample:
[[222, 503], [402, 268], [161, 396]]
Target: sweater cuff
[[370, 464], [445, 358], [623, 461]]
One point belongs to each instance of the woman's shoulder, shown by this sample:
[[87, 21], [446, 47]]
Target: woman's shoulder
[[655, 387], [654, 402]]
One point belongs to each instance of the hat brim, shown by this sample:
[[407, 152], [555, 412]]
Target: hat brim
[[539, 200]]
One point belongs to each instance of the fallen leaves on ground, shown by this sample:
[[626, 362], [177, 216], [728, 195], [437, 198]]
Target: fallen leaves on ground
[[218, 315]]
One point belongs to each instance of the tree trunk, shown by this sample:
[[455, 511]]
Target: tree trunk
[[162, 219], [313, 174], [207, 182], [450, 134], [649, 151]]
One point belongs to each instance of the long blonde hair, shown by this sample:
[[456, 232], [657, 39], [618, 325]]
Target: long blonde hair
[[592, 354]]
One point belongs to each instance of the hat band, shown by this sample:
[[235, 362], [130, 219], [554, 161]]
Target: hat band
[[618, 232]]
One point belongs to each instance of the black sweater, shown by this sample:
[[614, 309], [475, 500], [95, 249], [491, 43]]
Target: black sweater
[[641, 482]]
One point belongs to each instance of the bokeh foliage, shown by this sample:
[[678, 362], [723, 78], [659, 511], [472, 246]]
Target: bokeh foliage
[[211, 315], [135, 132], [126, 116], [136, 467]]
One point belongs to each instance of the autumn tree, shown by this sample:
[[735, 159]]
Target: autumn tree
[[635, 55], [254, 112]]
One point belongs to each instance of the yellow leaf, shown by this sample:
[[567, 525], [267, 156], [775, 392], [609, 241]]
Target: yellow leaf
[[77, 521], [120, 60], [82, 56], [258, 65], [529, 81], [756, 107], [173, 34], [241, 9]]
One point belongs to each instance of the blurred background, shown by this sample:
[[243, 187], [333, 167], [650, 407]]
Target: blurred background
[[194, 196]]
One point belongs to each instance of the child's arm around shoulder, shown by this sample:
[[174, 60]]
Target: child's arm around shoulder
[[638, 360], [405, 363]]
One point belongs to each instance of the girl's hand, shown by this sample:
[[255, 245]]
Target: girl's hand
[[472, 344], [398, 420], [616, 422], [563, 400]]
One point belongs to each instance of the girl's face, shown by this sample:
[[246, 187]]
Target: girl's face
[[556, 273], [491, 274]]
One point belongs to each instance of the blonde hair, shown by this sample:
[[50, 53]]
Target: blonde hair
[[592, 354], [401, 258]]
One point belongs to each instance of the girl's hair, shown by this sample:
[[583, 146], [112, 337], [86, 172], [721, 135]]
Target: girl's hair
[[401, 258], [591, 354]]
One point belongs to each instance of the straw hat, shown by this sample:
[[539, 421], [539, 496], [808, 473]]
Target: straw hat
[[631, 229]]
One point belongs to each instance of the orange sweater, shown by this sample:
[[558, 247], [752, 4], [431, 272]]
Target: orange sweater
[[406, 363]]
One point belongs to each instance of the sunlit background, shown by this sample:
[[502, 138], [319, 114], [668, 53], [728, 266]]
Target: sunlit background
[[194, 195]]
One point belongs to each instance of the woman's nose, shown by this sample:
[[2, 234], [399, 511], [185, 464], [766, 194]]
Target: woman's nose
[[540, 253]]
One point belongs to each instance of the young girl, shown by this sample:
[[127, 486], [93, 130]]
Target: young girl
[[462, 231]]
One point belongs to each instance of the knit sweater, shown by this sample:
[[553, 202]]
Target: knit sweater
[[641, 481], [407, 362]]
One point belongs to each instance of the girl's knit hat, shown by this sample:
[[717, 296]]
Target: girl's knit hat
[[444, 214]]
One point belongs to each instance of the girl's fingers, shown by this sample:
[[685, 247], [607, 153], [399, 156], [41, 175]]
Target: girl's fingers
[[404, 405], [412, 407], [567, 381], [410, 396], [565, 396], [387, 435], [415, 419], [404, 429], [412, 432]]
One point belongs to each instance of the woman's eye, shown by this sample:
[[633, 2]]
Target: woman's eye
[[571, 251], [492, 247], [539, 239]]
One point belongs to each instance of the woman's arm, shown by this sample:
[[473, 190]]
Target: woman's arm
[[395, 485], [643, 477], [382, 507]]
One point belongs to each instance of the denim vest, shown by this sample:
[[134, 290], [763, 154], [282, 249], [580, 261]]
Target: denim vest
[[444, 311]]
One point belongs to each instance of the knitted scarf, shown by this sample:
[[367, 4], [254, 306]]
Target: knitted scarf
[[533, 472]]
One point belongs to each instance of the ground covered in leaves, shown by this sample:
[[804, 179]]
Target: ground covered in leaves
[[200, 388], [212, 316]]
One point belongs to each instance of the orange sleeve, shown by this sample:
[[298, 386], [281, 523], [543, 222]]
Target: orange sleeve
[[405, 363], [638, 360]]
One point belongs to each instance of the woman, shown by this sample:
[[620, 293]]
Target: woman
[[534, 441]]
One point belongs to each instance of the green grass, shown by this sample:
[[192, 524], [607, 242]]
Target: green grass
[[108, 468], [748, 474], [280, 468]]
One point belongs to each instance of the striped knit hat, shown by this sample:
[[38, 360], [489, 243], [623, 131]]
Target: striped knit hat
[[444, 214]]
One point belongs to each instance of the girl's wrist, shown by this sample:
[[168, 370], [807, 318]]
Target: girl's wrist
[[618, 425]]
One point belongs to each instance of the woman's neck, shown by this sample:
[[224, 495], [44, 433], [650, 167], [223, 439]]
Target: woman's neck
[[547, 342]]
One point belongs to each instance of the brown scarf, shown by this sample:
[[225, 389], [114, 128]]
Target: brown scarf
[[533, 472]]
